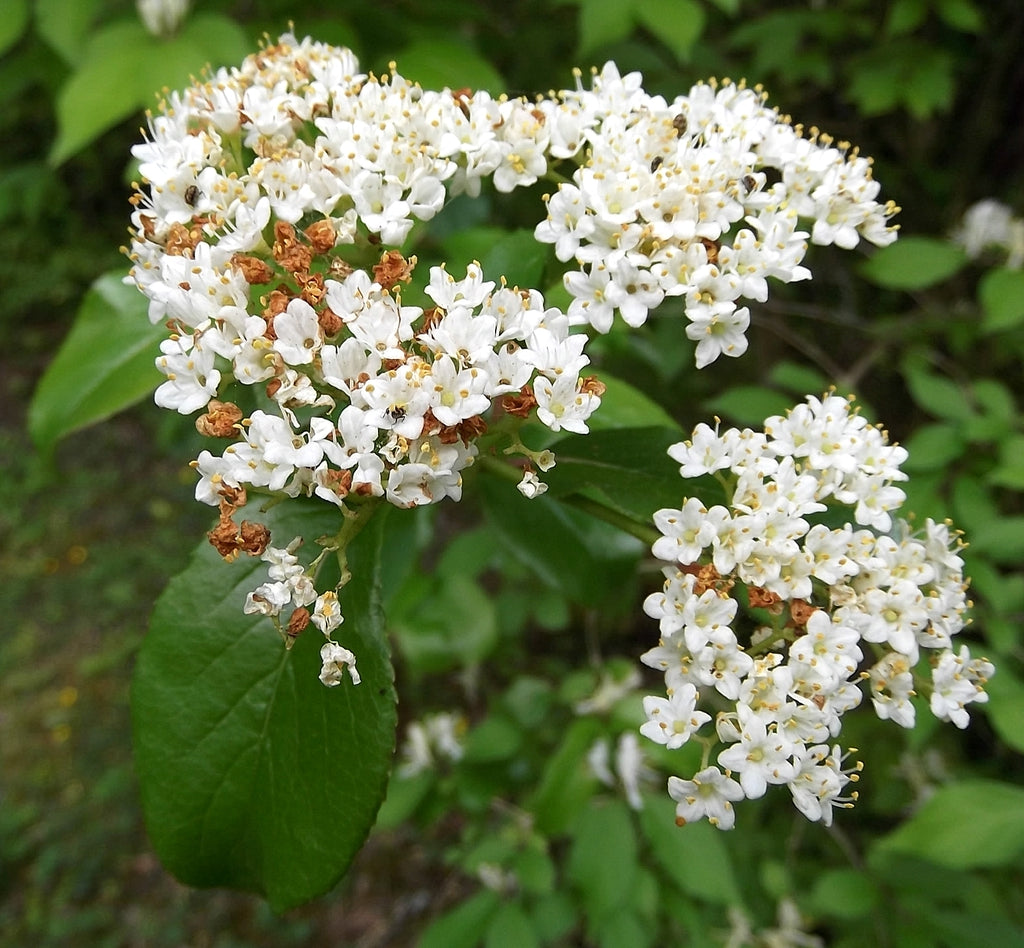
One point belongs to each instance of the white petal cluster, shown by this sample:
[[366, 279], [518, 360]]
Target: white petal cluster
[[702, 198], [772, 606]]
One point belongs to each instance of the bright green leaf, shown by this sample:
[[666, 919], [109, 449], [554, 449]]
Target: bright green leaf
[[623, 406], [444, 622], [936, 394], [463, 925], [205, 40], [964, 825], [622, 928], [749, 404], [105, 363], [695, 857], [630, 468], [933, 447], [517, 257], [12, 23], [441, 63], [253, 775], [1005, 708], [930, 85], [913, 263], [798, 379], [677, 23], [845, 893], [602, 23], [553, 917], [64, 24], [1001, 293], [1009, 472], [603, 859], [905, 16], [104, 89], [494, 738], [510, 928], [567, 782], [961, 15], [1002, 540]]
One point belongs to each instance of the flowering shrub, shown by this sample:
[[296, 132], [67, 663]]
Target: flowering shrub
[[273, 236]]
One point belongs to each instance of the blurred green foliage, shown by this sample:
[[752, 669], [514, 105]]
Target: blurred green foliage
[[519, 843]]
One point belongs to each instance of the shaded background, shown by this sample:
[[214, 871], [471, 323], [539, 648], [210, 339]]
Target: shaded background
[[89, 535]]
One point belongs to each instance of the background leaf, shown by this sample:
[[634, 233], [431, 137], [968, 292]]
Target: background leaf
[[103, 365], [913, 263], [252, 773], [964, 825]]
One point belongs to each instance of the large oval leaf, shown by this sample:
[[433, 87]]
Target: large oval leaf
[[105, 364], [254, 775]]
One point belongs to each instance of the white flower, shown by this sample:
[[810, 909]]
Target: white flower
[[958, 680], [671, 721], [531, 486], [336, 661], [710, 794]]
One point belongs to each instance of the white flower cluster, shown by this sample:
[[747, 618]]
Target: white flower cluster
[[778, 604], [290, 584], [272, 192], [991, 225], [702, 198]]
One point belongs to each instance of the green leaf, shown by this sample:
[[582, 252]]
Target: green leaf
[[961, 15], [913, 263], [933, 447], [964, 825], [253, 775], [749, 404], [930, 85], [602, 23], [1001, 294], [510, 928], [105, 364], [103, 90], [695, 857], [630, 468], [444, 622], [64, 24], [517, 257], [623, 406], [1002, 541], [123, 67], [1009, 472], [1005, 708], [845, 893], [12, 23], [677, 23], [442, 63], [936, 394], [462, 926], [905, 16], [204, 40], [603, 858], [798, 379], [567, 782], [585, 559]]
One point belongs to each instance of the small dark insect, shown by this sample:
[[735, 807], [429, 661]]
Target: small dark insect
[[679, 124], [191, 195], [656, 163], [397, 414], [749, 183]]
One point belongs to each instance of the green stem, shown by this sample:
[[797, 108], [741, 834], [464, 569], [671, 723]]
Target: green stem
[[355, 518]]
